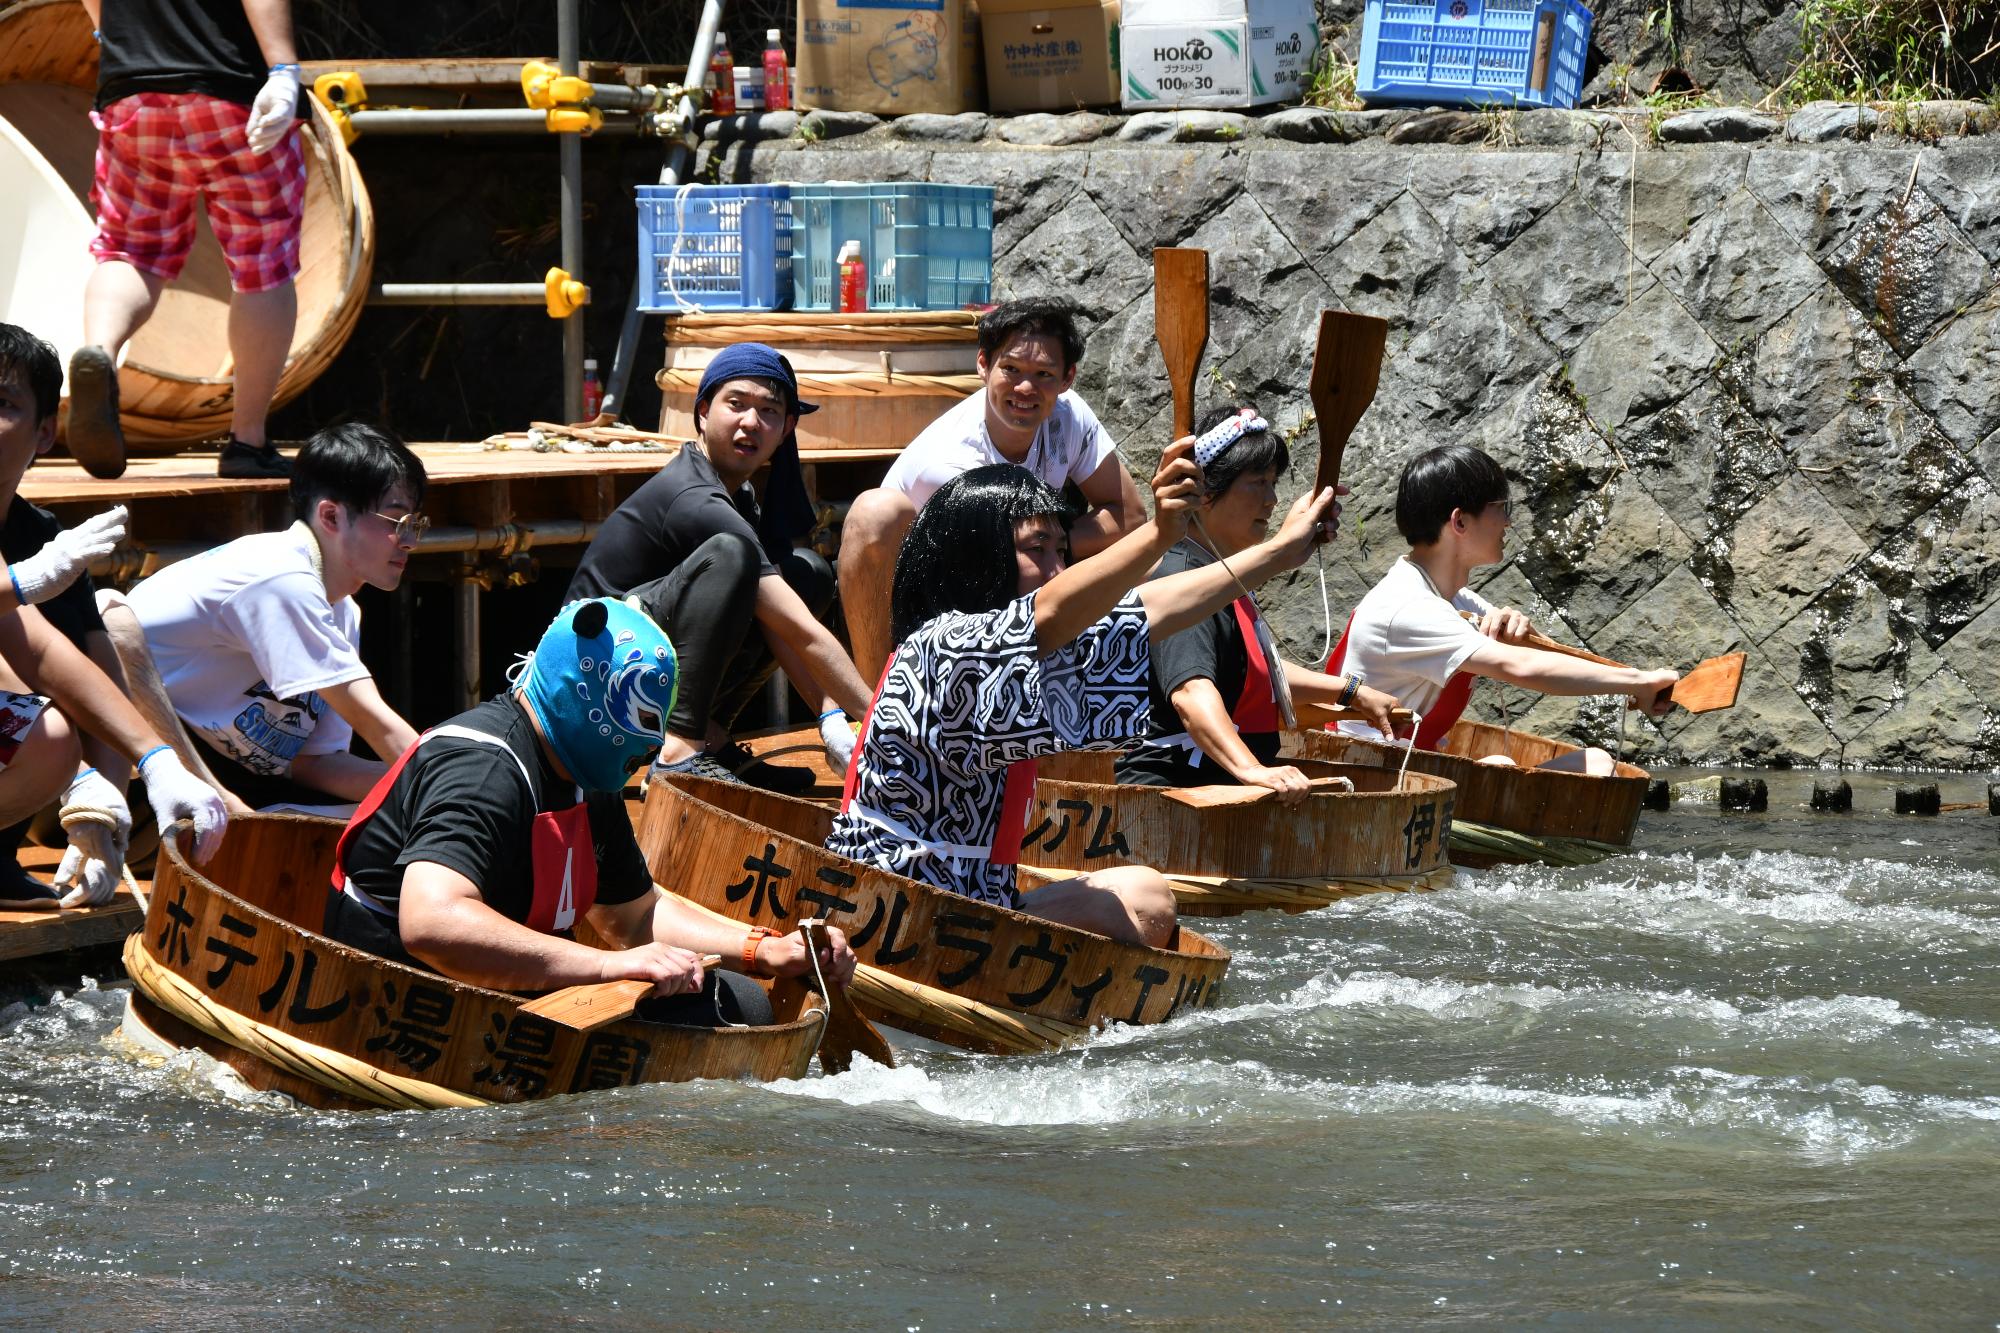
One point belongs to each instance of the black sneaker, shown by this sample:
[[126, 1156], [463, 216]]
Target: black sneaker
[[95, 438], [22, 892], [784, 780], [252, 461]]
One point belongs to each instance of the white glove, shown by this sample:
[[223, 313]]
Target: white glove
[[838, 733], [177, 794], [96, 854], [275, 109], [67, 554]]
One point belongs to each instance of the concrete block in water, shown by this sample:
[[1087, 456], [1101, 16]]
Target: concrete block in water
[[1744, 794], [1659, 795], [1917, 799], [1993, 798], [1835, 794]]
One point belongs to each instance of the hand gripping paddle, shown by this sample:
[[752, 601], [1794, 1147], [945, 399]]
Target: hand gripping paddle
[[1180, 322]]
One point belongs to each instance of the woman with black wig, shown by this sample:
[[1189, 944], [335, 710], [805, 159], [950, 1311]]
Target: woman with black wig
[[1003, 654], [1215, 714]]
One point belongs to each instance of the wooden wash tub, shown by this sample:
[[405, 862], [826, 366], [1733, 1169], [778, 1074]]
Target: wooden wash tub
[[1231, 859], [1508, 814], [175, 385], [242, 973], [943, 967]]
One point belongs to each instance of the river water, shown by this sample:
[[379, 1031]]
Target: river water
[[1749, 1077]]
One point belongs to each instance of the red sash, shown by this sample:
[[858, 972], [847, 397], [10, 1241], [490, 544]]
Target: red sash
[[1444, 713], [1256, 708], [565, 883], [1005, 849]]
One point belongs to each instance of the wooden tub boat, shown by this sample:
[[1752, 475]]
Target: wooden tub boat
[[241, 973], [933, 964], [1234, 858], [1508, 814], [175, 386]]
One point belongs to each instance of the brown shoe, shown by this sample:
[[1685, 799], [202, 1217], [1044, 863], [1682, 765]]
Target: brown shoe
[[95, 438]]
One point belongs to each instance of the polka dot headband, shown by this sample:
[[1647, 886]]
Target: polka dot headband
[[1214, 444]]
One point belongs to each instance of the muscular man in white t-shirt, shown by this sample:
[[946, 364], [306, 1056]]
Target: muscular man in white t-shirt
[[1409, 636], [258, 641], [1025, 414]]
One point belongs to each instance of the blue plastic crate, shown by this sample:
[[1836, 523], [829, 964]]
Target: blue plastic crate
[[715, 247], [1471, 52], [927, 247]]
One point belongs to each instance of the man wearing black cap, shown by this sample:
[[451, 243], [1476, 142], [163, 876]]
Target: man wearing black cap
[[719, 572]]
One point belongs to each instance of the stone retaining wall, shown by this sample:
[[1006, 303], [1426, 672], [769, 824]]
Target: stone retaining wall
[[1749, 392]]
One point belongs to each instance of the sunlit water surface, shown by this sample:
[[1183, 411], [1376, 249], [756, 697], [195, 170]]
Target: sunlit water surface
[[1744, 1077]]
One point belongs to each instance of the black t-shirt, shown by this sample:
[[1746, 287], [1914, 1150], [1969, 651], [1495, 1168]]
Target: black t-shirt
[[73, 611], [463, 805], [1212, 650], [178, 46], [679, 507]]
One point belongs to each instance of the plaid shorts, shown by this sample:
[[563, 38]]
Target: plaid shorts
[[18, 712], [157, 151]]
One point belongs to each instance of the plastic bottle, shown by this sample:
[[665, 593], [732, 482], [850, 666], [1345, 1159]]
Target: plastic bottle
[[853, 279], [722, 78], [593, 390], [777, 76]]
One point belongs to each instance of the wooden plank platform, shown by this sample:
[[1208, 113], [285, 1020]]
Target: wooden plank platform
[[25, 935]]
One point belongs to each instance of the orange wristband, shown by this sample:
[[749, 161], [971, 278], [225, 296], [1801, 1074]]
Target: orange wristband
[[750, 949]]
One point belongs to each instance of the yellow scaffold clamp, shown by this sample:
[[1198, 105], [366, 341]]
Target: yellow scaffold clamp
[[564, 294], [565, 97], [341, 93]]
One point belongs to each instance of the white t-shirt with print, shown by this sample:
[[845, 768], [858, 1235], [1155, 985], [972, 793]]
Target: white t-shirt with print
[[1071, 445], [1408, 641], [244, 638]]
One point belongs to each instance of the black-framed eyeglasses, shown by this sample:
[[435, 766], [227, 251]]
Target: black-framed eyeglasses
[[1506, 508], [409, 529]]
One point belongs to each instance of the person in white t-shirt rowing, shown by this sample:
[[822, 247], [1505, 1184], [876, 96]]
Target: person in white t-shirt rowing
[[258, 641], [1025, 414], [1410, 638]]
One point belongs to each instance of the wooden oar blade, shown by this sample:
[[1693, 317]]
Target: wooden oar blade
[[1180, 323], [587, 1008], [1347, 367], [1223, 794], [847, 1033], [1711, 685]]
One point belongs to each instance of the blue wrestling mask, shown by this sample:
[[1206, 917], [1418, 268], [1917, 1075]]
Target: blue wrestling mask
[[601, 682]]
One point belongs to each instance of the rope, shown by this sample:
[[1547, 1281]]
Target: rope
[[1416, 724]]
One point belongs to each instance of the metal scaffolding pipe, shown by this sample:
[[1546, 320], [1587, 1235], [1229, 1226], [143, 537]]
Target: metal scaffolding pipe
[[459, 293], [571, 158], [465, 591], [499, 120]]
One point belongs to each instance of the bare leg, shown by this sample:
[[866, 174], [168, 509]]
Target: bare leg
[[44, 765], [149, 696], [1131, 904], [260, 338], [116, 301], [869, 541]]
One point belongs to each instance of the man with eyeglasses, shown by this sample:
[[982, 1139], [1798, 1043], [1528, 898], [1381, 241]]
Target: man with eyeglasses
[[257, 641], [1411, 636]]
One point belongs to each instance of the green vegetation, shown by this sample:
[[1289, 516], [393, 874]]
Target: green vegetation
[[1330, 81], [1895, 50]]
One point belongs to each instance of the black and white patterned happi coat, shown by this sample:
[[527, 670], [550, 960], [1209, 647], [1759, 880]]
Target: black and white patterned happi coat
[[966, 696]]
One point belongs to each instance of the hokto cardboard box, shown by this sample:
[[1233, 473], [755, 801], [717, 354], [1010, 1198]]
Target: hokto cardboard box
[[890, 57], [1216, 53], [1050, 55]]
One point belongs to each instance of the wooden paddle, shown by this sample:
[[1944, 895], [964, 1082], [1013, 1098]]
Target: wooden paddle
[[589, 1007], [1224, 794], [1705, 687], [1347, 365], [1180, 322], [847, 1032]]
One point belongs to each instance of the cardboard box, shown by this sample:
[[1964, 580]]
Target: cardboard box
[[1216, 53], [890, 57], [1050, 55]]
